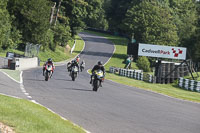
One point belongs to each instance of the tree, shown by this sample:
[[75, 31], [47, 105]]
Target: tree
[[116, 11], [96, 15], [151, 23], [31, 18], [185, 18], [195, 43], [76, 11], [144, 64], [61, 34], [9, 36]]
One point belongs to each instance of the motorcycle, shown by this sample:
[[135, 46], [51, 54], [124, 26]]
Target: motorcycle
[[82, 66], [48, 71], [74, 73], [97, 79]]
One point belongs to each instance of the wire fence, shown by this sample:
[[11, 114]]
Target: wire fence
[[32, 50]]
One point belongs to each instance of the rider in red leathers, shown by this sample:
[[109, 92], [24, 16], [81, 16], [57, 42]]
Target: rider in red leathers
[[49, 62]]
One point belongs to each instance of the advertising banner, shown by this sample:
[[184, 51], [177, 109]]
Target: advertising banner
[[162, 51]]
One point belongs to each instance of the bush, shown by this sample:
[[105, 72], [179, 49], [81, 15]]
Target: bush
[[143, 63]]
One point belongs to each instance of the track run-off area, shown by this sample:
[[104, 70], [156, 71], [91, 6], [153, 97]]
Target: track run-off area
[[114, 108]]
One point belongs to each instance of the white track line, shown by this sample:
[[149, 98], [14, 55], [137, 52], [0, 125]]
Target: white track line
[[76, 55], [10, 96], [34, 101], [10, 77], [144, 89], [59, 115], [30, 98], [112, 54], [109, 58]]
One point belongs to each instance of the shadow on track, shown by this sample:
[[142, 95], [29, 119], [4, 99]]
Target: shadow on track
[[77, 89], [63, 79], [35, 79]]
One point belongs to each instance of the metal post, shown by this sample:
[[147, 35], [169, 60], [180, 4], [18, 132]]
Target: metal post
[[189, 69]]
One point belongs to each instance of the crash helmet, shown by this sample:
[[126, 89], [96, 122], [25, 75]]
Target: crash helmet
[[77, 58], [100, 63], [49, 60]]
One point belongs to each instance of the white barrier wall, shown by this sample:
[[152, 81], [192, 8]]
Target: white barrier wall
[[25, 63]]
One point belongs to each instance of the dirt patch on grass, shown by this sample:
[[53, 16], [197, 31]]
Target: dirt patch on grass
[[5, 129]]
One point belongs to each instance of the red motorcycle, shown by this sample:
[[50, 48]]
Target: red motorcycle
[[48, 71]]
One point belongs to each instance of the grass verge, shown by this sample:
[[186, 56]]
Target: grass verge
[[27, 117], [15, 74], [194, 75], [60, 54], [117, 60], [3, 53]]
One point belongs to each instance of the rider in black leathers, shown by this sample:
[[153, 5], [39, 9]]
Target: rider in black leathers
[[97, 67], [74, 63]]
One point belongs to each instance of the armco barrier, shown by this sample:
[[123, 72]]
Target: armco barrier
[[114, 69], [188, 84], [135, 74]]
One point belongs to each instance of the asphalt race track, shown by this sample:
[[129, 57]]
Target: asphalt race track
[[115, 108]]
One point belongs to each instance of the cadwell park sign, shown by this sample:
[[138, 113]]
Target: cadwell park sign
[[162, 51]]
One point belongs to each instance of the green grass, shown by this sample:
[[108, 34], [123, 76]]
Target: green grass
[[117, 60], [79, 46], [167, 89], [119, 57], [15, 74], [3, 52], [60, 54], [27, 117], [194, 75]]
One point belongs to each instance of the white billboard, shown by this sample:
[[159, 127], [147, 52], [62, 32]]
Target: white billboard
[[162, 51]]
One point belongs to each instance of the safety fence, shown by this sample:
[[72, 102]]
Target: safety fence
[[32, 50], [135, 74], [188, 84], [3, 62]]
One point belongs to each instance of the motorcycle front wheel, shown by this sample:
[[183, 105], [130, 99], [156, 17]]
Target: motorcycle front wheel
[[46, 76], [73, 76], [95, 85]]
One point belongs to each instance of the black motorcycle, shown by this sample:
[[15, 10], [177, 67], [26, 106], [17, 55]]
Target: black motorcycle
[[97, 79], [82, 66], [74, 72]]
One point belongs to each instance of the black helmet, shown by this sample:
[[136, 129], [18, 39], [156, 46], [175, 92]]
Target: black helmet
[[100, 63], [49, 60]]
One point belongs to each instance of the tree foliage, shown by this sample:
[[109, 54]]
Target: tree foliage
[[9, 35], [75, 10], [151, 23], [162, 22], [31, 18], [96, 15], [144, 64]]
